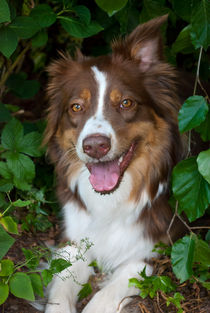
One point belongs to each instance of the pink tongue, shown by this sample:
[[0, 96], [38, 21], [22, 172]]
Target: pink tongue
[[104, 176]]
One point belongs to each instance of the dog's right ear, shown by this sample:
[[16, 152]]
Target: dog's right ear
[[143, 45]]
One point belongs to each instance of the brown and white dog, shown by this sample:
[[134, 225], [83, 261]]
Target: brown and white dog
[[113, 137]]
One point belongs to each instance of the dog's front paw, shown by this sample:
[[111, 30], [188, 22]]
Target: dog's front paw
[[102, 302]]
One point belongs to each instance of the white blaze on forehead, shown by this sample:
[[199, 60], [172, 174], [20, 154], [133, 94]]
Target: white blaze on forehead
[[101, 80], [98, 123]]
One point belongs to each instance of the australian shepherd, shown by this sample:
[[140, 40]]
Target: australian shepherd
[[112, 134]]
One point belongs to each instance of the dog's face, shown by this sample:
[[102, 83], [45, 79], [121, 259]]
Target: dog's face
[[114, 113]]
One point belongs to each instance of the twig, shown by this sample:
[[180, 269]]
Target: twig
[[158, 302], [200, 227], [194, 92], [12, 66], [204, 90], [171, 223]]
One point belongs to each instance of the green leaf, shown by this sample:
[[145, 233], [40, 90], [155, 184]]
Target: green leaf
[[182, 257], [204, 128], [85, 291], [207, 237], [6, 267], [200, 21], [12, 135], [47, 276], [40, 39], [83, 13], [25, 27], [20, 203], [37, 284], [5, 186], [190, 189], [79, 30], [184, 8], [5, 115], [31, 144], [21, 287], [31, 258], [183, 42], [192, 113], [4, 292], [22, 87], [4, 12], [110, 6], [4, 171], [43, 15], [58, 265], [6, 241], [202, 253], [203, 161], [8, 41], [21, 166], [9, 224], [206, 285]]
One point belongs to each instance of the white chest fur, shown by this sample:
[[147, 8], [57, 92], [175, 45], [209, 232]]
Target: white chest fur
[[110, 223]]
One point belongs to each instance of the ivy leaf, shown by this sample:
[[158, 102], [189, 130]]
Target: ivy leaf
[[190, 189], [31, 258], [8, 41], [58, 265], [183, 41], [9, 224], [43, 15], [31, 144], [20, 203], [111, 7], [40, 39], [182, 254], [6, 241], [184, 8], [37, 284], [203, 161], [5, 115], [192, 113], [12, 135], [21, 287], [47, 277], [83, 13], [200, 21], [24, 27], [4, 12], [202, 253], [85, 291], [6, 267], [4, 292], [22, 87], [78, 29], [204, 128]]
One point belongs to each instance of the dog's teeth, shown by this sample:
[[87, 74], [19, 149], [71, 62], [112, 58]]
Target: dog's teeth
[[120, 160]]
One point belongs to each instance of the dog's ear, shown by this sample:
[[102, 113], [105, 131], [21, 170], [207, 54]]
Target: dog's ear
[[144, 44]]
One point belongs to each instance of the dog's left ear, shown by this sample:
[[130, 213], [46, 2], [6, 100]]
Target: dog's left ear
[[144, 44]]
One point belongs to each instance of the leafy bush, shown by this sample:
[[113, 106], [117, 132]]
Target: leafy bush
[[29, 33]]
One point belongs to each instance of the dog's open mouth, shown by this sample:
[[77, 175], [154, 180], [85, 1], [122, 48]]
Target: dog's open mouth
[[105, 176]]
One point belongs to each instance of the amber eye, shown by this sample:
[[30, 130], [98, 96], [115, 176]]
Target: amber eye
[[126, 104], [76, 107]]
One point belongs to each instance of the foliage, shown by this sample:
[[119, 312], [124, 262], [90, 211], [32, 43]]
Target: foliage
[[29, 33]]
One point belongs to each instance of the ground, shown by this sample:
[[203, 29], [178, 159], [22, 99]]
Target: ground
[[197, 299]]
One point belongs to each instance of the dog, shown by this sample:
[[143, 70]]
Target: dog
[[112, 133]]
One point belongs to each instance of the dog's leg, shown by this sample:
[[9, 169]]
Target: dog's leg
[[63, 290], [110, 298]]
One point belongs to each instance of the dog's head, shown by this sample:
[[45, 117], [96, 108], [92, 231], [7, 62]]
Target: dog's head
[[116, 112]]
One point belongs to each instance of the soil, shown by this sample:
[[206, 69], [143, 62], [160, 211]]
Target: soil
[[197, 298]]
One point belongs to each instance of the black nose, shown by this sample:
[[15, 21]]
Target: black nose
[[96, 145]]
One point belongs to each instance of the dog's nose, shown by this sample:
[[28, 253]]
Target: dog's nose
[[96, 145]]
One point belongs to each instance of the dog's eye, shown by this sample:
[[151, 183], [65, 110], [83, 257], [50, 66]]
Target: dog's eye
[[126, 104], [76, 107]]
